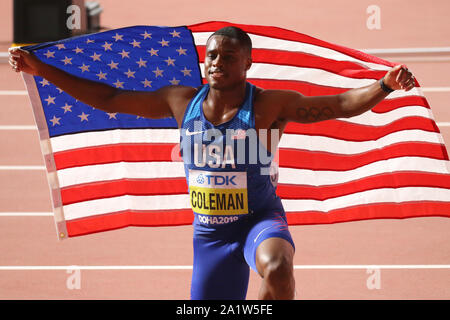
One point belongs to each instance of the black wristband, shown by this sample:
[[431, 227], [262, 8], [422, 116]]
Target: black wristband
[[385, 87]]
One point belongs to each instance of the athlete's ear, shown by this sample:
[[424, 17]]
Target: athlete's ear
[[249, 63]]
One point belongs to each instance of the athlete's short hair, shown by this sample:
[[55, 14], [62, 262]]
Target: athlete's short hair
[[235, 33]]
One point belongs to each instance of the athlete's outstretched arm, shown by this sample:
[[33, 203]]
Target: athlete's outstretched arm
[[299, 108], [157, 104]]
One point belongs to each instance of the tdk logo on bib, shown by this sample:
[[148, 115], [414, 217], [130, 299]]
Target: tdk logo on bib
[[218, 193]]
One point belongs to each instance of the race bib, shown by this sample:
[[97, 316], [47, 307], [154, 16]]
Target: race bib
[[218, 193]]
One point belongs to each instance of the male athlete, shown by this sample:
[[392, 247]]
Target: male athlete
[[239, 219]]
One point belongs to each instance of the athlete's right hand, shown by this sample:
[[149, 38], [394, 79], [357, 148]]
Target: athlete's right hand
[[22, 60]]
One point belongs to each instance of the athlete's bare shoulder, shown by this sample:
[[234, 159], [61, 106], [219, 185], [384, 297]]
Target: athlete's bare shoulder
[[178, 98], [268, 104]]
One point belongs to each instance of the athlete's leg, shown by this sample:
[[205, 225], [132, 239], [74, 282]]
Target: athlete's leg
[[269, 250], [274, 262], [219, 271]]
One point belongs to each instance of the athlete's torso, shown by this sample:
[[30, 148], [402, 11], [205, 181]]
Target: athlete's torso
[[227, 169]]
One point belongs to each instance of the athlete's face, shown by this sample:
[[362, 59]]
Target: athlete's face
[[226, 62]]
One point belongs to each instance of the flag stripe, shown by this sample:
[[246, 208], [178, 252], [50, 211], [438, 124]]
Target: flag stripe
[[326, 177], [153, 170], [128, 218], [282, 39], [289, 157], [370, 211], [150, 187], [388, 180], [303, 60], [168, 202]]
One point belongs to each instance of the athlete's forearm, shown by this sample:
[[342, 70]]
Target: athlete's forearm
[[359, 100], [95, 94]]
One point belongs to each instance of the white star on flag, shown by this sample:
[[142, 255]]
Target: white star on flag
[[118, 37], [135, 44], [50, 100], [113, 65], [142, 63], [146, 35], [49, 54], [83, 117], [67, 60], [101, 75], [96, 57], [55, 120], [158, 72], [84, 68], [124, 53]]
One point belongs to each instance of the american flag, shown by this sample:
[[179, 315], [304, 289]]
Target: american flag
[[110, 170]]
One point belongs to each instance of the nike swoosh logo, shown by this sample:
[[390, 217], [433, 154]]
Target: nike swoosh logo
[[190, 133], [260, 233]]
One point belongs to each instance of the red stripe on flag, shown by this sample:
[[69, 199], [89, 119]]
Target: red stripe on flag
[[114, 153], [115, 188], [385, 180], [303, 60], [348, 131], [372, 211], [304, 159], [117, 220], [285, 34]]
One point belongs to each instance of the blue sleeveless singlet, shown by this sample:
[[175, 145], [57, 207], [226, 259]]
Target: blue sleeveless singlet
[[227, 169]]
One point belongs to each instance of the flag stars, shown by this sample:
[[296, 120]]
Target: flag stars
[[60, 46], [146, 35], [89, 41], [67, 60], [174, 81], [84, 68], [113, 65], [112, 115], [67, 108], [142, 63], [158, 72], [135, 44], [170, 61], [55, 121], [118, 84], [78, 50], [101, 75], [124, 54], [175, 34], [147, 83], [96, 57], [44, 82], [50, 100], [181, 51], [118, 37], [186, 72], [153, 52], [83, 117], [49, 54], [164, 43], [129, 73], [107, 46]]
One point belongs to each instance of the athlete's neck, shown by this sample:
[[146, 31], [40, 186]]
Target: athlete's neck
[[221, 101]]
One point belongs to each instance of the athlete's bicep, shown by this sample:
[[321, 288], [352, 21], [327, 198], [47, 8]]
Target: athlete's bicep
[[298, 108]]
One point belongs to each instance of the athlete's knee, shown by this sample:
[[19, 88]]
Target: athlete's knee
[[278, 271]]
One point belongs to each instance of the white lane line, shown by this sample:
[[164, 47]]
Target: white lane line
[[26, 214], [13, 92], [189, 267], [9, 168], [18, 127]]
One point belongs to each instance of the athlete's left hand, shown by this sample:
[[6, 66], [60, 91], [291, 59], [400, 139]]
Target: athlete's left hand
[[399, 77]]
